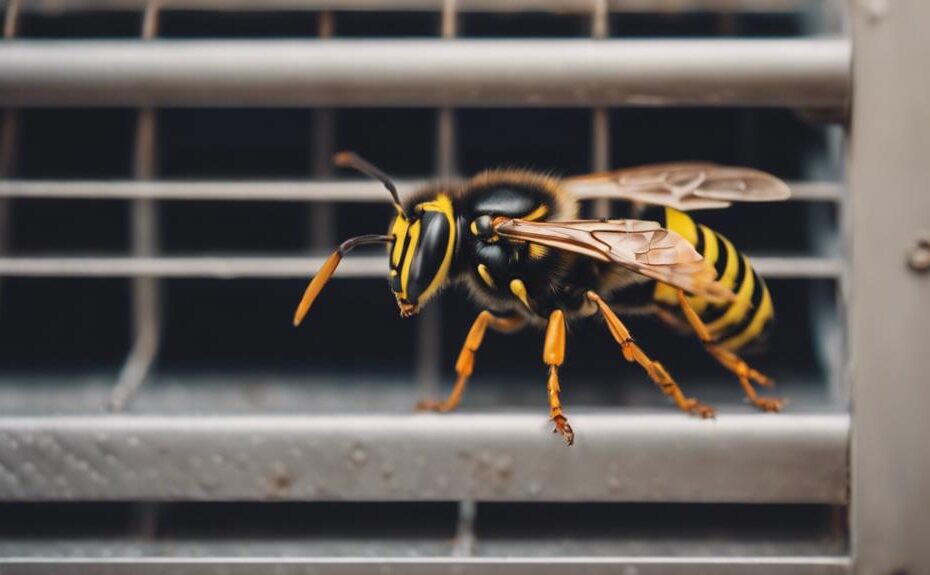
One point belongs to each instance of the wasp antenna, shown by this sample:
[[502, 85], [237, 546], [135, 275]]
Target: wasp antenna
[[354, 161], [329, 267]]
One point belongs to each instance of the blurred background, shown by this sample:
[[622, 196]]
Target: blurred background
[[155, 312]]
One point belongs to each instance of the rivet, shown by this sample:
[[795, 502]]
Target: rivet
[[918, 258]]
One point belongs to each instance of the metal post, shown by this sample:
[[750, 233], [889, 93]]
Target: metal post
[[600, 144], [8, 131], [429, 335], [322, 215], [146, 295]]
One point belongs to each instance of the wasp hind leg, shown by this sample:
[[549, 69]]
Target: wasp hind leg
[[655, 370], [731, 361], [553, 356], [465, 364]]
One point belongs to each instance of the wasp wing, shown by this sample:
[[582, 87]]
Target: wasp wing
[[683, 185], [641, 246]]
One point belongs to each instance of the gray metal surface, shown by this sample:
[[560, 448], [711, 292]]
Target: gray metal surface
[[457, 566], [888, 177], [230, 266], [618, 457], [803, 73]]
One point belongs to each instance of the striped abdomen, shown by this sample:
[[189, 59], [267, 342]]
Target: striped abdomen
[[740, 322]]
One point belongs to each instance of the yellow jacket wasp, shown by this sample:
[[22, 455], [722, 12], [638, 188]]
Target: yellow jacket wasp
[[512, 238]]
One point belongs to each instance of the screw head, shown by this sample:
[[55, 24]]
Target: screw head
[[918, 258]]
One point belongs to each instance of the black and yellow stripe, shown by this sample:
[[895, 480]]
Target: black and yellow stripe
[[735, 324]]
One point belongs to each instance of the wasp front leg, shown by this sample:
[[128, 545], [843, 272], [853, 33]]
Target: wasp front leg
[[465, 364], [731, 361], [655, 370]]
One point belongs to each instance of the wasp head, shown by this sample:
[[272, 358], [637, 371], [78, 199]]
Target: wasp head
[[421, 254]]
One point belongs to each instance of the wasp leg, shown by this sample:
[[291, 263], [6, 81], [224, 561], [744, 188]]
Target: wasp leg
[[553, 356], [655, 370], [465, 364], [731, 361]]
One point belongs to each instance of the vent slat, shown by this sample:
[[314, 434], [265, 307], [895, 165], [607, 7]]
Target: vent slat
[[789, 72], [725, 565], [297, 191], [561, 6], [757, 458], [229, 266]]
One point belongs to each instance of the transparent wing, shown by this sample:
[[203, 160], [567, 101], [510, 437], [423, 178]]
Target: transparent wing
[[641, 246], [683, 186]]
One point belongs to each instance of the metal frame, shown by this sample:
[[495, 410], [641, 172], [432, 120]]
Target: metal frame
[[756, 459], [888, 171]]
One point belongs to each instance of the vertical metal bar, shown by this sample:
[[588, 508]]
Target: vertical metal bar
[[430, 348], [464, 542], [600, 140], [146, 293], [834, 19], [144, 520], [830, 304], [842, 389], [322, 215], [11, 22], [429, 334], [8, 130]]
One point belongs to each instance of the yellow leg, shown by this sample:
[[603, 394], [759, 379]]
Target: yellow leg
[[553, 356], [655, 370], [465, 364], [731, 361]]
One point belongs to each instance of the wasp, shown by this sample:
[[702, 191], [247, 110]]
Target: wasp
[[512, 238]]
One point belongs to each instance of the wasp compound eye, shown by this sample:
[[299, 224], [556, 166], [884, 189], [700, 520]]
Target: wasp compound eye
[[430, 254]]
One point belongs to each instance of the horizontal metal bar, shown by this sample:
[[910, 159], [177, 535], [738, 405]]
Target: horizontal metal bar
[[796, 72], [560, 6], [232, 266], [798, 267], [220, 267], [621, 457], [697, 565], [291, 191]]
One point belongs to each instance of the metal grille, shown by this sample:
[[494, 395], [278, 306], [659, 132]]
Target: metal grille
[[151, 149]]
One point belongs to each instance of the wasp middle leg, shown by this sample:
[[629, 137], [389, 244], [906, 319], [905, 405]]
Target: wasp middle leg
[[655, 370], [465, 364], [554, 356], [731, 361]]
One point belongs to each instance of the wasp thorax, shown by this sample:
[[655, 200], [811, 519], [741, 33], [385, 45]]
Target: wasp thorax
[[421, 255]]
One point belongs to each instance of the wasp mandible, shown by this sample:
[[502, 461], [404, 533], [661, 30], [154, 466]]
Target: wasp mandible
[[511, 237]]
